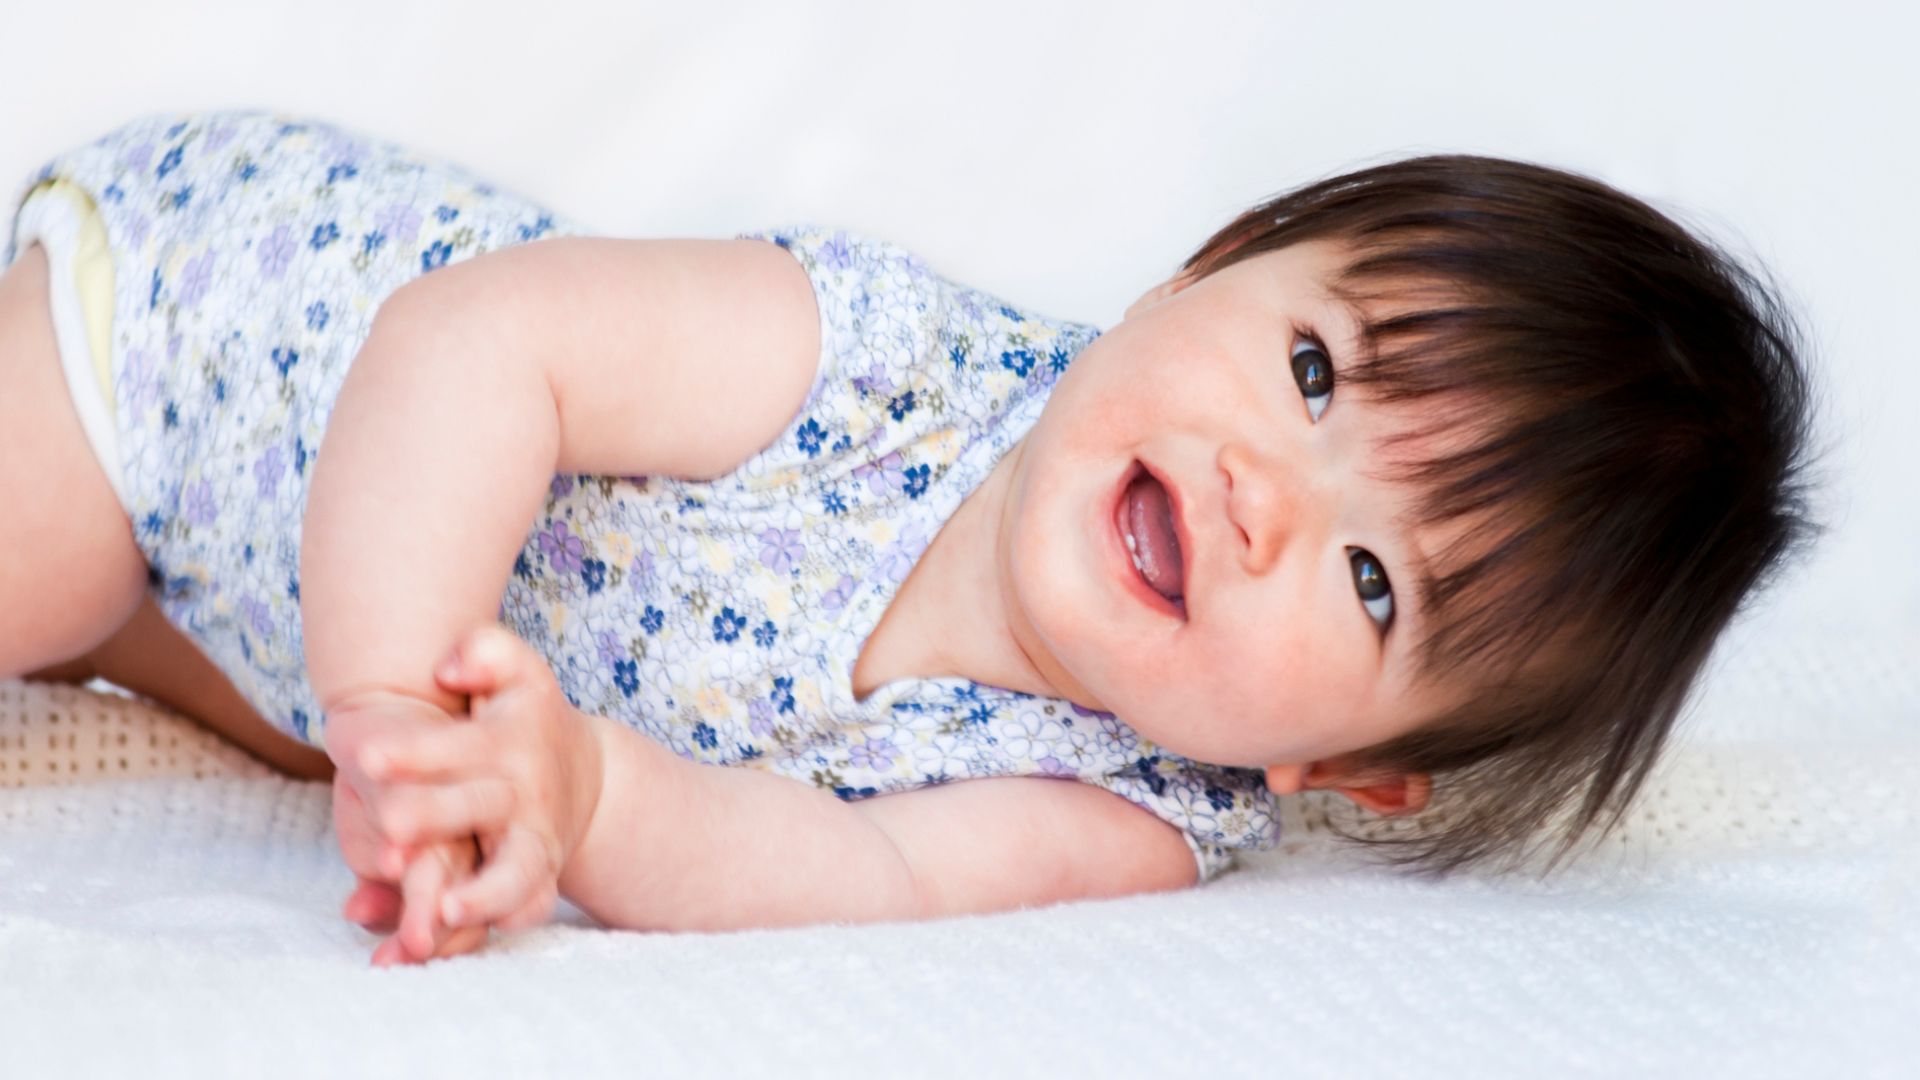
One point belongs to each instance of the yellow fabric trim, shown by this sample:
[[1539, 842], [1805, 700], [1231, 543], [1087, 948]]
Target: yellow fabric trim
[[92, 281]]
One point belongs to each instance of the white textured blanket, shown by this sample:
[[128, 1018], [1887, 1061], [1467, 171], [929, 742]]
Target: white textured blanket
[[1757, 917]]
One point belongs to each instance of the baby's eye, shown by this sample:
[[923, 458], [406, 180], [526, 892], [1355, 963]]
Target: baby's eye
[[1313, 371], [1370, 580]]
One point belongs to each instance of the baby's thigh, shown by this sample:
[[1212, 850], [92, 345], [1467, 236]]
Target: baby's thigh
[[70, 572]]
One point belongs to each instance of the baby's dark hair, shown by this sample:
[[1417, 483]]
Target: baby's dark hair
[[1639, 418]]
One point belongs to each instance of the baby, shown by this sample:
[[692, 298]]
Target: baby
[[1449, 470]]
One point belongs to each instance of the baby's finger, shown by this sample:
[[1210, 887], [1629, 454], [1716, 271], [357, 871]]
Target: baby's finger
[[375, 905], [412, 814], [444, 752], [420, 926], [487, 660], [516, 871]]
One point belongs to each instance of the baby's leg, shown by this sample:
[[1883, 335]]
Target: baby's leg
[[70, 572]]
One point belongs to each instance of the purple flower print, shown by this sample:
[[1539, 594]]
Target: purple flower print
[[760, 716], [194, 279], [400, 222], [780, 549], [562, 550], [268, 471], [143, 382], [217, 138], [200, 507], [258, 615], [887, 474], [836, 253], [875, 381], [898, 559], [837, 597], [138, 157], [640, 572], [276, 251], [137, 226], [876, 754], [561, 487], [611, 651], [1053, 766]]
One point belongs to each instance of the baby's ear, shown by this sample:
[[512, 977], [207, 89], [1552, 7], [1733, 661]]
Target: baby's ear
[[1392, 795], [1405, 793]]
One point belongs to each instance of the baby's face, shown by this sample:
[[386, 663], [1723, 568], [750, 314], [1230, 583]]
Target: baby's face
[[1293, 640]]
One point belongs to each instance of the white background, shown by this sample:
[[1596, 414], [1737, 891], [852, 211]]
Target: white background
[[1069, 155], [1755, 918]]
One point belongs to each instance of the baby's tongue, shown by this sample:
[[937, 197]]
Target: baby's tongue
[[1150, 519]]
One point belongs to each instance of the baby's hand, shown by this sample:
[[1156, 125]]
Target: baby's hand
[[524, 774], [379, 864]]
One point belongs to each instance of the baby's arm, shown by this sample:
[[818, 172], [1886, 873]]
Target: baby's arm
[[676, 845], [482, 380]]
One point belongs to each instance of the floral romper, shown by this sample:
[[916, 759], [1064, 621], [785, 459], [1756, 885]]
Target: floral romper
[[721, 618]]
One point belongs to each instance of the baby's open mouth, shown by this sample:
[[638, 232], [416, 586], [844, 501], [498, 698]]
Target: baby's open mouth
[[1146, 526]]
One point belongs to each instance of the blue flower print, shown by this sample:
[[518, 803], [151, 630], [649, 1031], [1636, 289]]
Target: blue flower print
[[345, 170], [653, 620], [372, 242], [1218, 798], [780, 549], [811, 435], [317, 315], [727, 625], [1018, 361], [174, 130], [833, 503], [168, 163], [1057, 360], [593, 573], [182, 197], [300, 725], [1010, 313], [764, 634], [958, 355], [324, 234], [114, 194], [435, 256], [626, 676], [299, 455], [783, 693], [153, 295], [703, 734], [1146, 768], [900, 406], [444, 214], [247, 171], [917, 480]]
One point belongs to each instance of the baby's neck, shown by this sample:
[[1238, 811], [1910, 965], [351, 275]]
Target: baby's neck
[[950, 617]]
